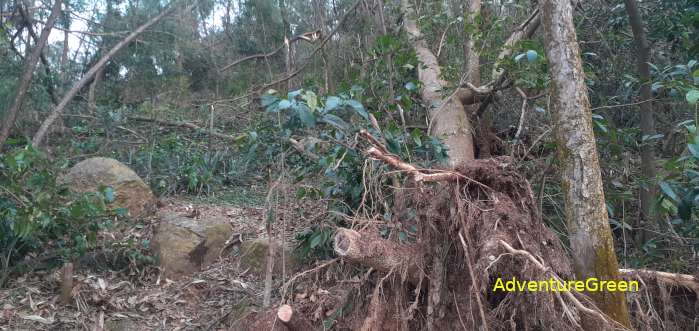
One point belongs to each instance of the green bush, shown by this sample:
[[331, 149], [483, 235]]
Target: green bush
[[41, 217]]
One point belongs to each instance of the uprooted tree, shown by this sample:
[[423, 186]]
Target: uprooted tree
[[477, 219]]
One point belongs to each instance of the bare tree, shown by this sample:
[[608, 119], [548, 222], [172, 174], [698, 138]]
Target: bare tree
[[27, 74], [588, 226]]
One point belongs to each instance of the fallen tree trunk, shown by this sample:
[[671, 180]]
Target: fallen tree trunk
[[293, 320], [370, 250], [188, 125]]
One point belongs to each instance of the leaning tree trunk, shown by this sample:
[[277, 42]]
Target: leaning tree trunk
[[58, 110], [448, 120], [647, 217], [27, 74], [590, 236]]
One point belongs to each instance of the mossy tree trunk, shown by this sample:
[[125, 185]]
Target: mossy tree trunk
[[588, 226]]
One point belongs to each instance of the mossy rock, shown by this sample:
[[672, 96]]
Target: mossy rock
[[253, 258], [130, 191], [185, 245]]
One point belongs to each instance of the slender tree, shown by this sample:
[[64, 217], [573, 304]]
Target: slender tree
[[588, 226], [27, 74], [647, 189]]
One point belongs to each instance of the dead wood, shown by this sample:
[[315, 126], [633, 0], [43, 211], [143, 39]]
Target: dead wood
[[293, 320], [67, 283], [370, 250]]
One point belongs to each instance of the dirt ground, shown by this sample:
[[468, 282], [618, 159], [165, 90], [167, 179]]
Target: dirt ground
[[138, 298]]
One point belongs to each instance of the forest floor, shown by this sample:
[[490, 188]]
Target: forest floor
[[138, 298]]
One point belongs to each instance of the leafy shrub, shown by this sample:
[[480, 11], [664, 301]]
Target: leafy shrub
[[40, 216], [680, 188], [177, 165], [335, 121]]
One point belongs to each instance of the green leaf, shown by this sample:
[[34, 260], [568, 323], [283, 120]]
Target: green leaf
[[306, 116], [336, 122], [416, 135], [316, 239], [108, 194], [357, 106], [532, 55], [121, 211], [294, 94], [667, 189], [284, 104], [268, 99], [311, 100], [692, 96], [684, 209], [402, 236], [694, 149], [332, 103]]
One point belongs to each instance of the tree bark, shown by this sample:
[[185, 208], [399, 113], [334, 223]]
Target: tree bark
[[448, 119], [370, 250], [27, 74], [590, 236], [293, 320], [648, 192], [41, 133], [91, 96]]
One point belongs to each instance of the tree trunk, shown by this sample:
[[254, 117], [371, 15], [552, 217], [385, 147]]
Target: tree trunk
[[384, 255], [293, 320], [590, 236], [647, 217], [91, 96], [41, 133], [27, 74], [448, 119]]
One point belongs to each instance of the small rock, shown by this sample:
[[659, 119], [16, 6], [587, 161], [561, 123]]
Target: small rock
[[253, 257]]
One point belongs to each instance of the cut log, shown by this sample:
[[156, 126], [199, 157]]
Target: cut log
[[371, 250], [67, 283], [293, 320]]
